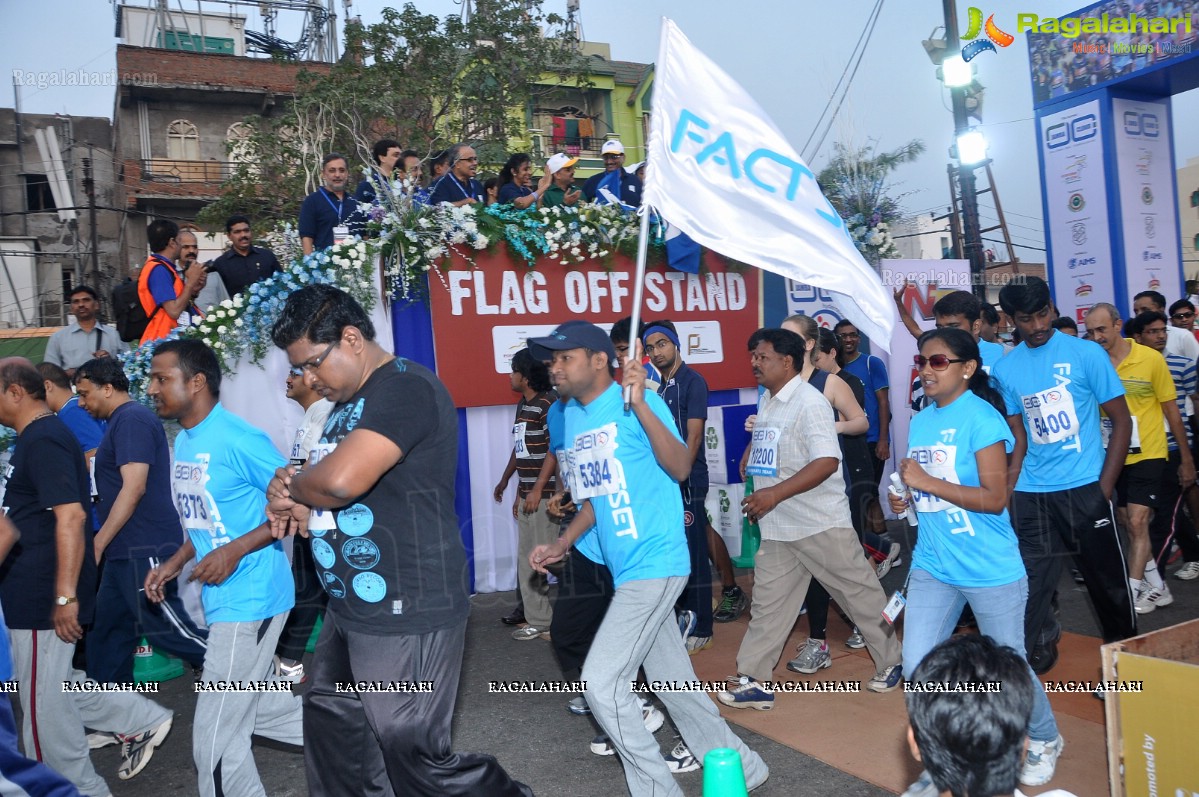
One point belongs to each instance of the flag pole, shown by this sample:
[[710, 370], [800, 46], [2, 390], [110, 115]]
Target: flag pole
[[638, 295]]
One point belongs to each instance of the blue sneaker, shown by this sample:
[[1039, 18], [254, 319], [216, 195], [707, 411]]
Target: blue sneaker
[[886, 680], [747, 694], [687, 623]]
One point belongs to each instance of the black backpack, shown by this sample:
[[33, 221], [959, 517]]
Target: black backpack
[[130, 319]]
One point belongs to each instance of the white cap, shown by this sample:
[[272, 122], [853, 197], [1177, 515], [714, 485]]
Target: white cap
[[612, 147], [633, 168], [558, 162]]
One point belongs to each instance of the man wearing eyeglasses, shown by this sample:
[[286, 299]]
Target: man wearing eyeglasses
[[377, 501], [614, 177], [1179, 339], [458, 185]]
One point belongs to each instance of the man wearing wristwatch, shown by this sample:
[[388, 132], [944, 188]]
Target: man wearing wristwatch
[[48, 588]]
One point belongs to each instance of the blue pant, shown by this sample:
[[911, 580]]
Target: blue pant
[[123, 616], [932, 613], [23, 776], [698, 594]]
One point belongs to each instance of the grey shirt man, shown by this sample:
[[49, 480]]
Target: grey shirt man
[[72, 346]]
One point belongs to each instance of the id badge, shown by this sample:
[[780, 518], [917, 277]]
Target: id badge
[[321, 520], [340, 233], [518, 439], [894, 607]]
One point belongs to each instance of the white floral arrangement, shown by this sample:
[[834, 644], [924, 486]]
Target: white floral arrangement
[[244, 322]]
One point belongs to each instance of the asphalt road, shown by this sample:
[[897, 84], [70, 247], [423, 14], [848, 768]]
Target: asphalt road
[[533, 735]]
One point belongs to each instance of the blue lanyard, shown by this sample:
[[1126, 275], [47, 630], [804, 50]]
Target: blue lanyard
[[465, 193], [336, 207]]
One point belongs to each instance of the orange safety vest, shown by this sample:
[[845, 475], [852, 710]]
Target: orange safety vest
[[161, 322]]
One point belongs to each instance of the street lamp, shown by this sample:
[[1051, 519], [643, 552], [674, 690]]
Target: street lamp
[[971, 148]]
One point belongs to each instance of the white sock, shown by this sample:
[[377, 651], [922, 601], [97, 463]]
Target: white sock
[[1153, 577], [1135, 583]]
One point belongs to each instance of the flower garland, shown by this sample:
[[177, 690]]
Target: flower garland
[[411, 240], [244, 322]]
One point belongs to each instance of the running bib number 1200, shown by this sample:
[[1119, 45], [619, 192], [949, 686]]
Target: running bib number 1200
[[1051, 416]]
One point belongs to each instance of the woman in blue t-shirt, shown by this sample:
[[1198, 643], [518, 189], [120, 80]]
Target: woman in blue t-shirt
[[966, 552]]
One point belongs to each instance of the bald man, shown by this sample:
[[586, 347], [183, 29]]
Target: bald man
[[1150, 394]]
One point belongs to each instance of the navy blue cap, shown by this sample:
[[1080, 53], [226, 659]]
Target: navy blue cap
[[573, 335]]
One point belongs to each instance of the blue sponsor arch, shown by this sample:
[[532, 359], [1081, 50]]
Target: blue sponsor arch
[[1102, 97]]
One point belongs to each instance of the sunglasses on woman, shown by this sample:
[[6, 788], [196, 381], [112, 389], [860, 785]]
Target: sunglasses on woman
[[939, 362]]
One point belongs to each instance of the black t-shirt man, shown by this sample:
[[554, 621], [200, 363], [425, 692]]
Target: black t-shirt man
[[399, 565], [241, 271], [46, 471]]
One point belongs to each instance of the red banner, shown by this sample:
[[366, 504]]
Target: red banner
[[484, 315]]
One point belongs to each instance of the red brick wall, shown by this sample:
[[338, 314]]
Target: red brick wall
[[174, 68]]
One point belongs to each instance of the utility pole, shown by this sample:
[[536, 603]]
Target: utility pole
[[89, 187], [966, 182]]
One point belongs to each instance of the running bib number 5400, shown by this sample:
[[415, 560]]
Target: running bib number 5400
[[1051, 416]]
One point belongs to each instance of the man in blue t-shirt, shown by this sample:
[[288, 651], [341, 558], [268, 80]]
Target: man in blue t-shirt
[[221, 471], [625, 467], [329, 214], [139, 529], [686, 395], [1054, 386]]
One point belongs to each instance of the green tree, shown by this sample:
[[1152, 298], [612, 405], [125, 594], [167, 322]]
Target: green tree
[[857, 181], [424, 81]]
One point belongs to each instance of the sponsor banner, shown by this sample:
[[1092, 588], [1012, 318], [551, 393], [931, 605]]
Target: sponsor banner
[[484, 315], [1145, 173], [1077, 221]]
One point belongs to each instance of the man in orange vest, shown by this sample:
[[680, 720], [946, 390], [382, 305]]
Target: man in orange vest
[[167, 297]]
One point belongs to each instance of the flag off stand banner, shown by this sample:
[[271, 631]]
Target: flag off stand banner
[[485, 314]]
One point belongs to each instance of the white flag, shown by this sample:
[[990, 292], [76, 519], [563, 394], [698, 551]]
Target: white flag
[[722, 172]]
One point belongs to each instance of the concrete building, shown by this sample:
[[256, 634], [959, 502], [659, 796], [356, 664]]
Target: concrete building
[[578, 121], [45, 223], [922, 238], [176, 123]]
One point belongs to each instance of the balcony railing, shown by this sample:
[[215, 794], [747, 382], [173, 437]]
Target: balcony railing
[[166, 170]]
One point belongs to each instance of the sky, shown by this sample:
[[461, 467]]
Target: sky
[[788, 54]]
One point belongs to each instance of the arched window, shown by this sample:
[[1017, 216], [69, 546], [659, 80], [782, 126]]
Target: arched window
[[183, 141], [236, 138]]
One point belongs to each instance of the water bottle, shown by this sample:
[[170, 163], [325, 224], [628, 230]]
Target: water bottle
[[898, 490]]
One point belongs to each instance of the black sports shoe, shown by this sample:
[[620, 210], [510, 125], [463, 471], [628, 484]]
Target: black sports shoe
[[516, 616], [732, 604]]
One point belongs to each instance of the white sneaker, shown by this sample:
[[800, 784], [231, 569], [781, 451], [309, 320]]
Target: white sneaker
[[1041, 762], [1188, 572], [1150, 598]]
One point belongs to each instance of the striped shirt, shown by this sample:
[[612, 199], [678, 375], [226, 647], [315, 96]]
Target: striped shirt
[[1182, 371], [530, 438]]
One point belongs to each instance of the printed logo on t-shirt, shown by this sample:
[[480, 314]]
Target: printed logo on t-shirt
[[356, 520], [360, 554], [370, 587], [323, 553], [334, 585]]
